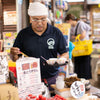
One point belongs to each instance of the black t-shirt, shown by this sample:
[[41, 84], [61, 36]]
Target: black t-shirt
[[48, 45]]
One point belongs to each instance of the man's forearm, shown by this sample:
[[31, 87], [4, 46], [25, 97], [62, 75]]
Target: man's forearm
[[65, 55]]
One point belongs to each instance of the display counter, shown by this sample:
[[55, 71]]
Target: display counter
[[85, 98], [93, 90], [66, 91], [9, 92]]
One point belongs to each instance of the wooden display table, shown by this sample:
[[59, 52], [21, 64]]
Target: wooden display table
[[93, 90], [81, 99], [60, 90]]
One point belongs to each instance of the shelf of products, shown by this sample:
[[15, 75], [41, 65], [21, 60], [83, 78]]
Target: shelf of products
[[96, 21], [96, 25]]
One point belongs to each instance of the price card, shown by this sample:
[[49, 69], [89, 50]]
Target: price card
[[77, 89]]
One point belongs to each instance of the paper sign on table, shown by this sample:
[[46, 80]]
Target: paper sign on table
[[28, 75]]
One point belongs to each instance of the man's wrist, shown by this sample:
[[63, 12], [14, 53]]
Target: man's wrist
[[14, 57]]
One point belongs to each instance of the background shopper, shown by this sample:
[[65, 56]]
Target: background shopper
[[82, 63], [40, 39]]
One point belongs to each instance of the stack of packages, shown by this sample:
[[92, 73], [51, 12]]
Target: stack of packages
[[8, 38], [4, 75], [28, 77]]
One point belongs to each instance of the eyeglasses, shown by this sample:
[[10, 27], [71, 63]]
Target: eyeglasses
[[41, 20]]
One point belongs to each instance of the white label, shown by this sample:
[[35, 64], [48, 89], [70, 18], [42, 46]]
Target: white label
[[77, 89]]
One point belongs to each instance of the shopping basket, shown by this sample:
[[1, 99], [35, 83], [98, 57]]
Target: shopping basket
[[82, 48]]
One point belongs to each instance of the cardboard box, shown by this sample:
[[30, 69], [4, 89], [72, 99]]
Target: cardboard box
[[8, 92]]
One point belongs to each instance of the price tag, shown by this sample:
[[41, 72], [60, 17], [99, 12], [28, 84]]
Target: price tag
[[77, 89]]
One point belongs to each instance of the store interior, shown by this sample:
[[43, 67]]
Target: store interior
[[14, 17]]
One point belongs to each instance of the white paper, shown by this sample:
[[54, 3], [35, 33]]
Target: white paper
[[28, 77]]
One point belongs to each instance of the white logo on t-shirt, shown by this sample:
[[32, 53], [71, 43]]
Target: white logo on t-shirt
[[50, 43]]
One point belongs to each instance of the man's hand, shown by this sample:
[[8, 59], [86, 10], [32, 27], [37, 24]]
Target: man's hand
[[14, 51]]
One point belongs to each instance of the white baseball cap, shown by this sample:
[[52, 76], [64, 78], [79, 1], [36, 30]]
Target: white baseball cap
[[37, 9]]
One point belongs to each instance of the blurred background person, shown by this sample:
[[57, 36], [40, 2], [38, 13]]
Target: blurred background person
[[81, 63]]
